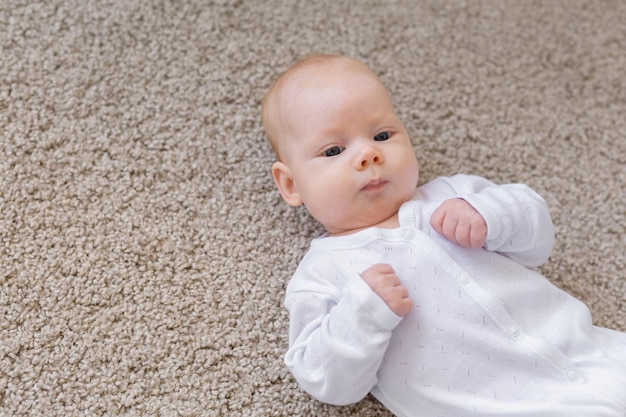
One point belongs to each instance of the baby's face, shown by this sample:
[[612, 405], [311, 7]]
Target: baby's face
[[349, 155]]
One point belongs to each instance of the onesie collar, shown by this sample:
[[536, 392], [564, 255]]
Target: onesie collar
[[358, 239]]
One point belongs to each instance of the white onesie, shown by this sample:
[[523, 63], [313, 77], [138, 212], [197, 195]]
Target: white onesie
[[487, 335]]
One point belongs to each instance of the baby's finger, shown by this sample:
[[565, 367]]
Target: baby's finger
[[462, 234], [383, 269], [478, 236], [437, 219], [401, 304], [449, 228]]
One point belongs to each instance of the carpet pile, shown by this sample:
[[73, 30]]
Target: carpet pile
[[144, 250]]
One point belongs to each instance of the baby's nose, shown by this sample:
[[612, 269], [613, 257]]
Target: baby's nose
[[370, 156]]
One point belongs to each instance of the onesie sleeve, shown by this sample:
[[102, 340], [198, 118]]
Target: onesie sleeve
[[519, 224], [338, 333]]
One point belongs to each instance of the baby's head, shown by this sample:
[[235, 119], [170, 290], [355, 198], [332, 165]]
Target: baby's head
[[341, 149], [306, 73]]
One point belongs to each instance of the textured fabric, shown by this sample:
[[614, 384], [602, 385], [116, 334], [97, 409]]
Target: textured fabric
[[486, 336], [145, 251]]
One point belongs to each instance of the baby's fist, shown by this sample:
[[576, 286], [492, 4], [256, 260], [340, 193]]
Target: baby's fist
[[460, 223], [383, 280]]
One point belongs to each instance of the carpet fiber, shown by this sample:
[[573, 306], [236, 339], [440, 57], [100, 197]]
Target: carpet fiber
[[144, 250]]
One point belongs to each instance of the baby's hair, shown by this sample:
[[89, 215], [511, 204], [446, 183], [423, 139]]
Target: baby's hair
[[310, 63]]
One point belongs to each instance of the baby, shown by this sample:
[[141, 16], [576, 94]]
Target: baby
[[424, 296]]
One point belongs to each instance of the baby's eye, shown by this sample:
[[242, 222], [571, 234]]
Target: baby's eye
[[382, 136], [335, 150]]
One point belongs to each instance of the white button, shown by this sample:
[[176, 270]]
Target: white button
[[408, 234], [514, 331], [464, 279], [572, 374]]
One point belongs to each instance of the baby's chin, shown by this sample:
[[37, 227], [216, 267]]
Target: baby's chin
[[384, 221]]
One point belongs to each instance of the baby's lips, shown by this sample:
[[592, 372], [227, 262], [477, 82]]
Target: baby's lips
[[374, 184]]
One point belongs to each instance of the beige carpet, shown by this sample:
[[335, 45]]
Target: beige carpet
[[144, 251]]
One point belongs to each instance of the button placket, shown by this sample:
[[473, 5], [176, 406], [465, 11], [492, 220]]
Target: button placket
[[514, 331], [464, 279], [572, 374], [408, 234]]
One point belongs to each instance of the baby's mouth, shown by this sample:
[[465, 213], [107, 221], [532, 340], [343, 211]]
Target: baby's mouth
[[374, 185]]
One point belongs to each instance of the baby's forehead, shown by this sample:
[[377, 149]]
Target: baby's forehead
[[321, 73], [306, 86], [316, 83]]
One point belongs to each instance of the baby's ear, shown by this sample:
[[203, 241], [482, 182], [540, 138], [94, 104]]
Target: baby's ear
[[285, 183]]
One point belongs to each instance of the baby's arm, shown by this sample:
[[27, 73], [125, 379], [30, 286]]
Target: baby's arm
[[518, 222], [338, 336]]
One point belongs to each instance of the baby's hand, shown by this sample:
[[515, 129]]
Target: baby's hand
[[460, 223], [386, 284]]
